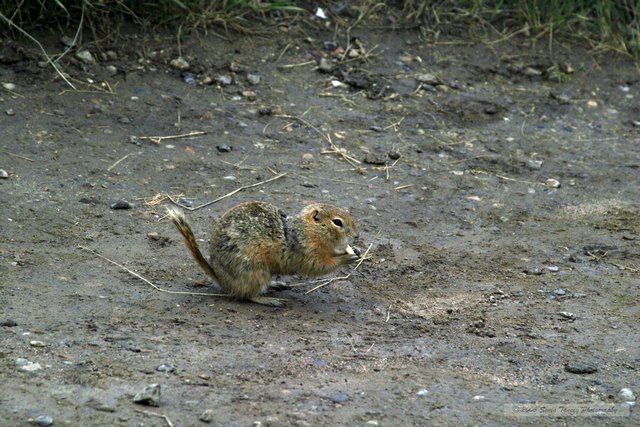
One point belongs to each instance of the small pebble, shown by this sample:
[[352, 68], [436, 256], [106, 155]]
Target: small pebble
[[9, 86], [121, 204], [265, 111], [580, 368], [478, 398], [553, 268], [533, 271], [626, 395], [340, 397], [249, 94], [206, 80], [207, 416], [254, 79], [534, 164], [150, 395], [567, 315], [562, 98], [224, 148], [560, 292], [111, 69], [372, 423], [229, 178], [329, 46], [224, 80], [179, 63], [325, 65], [3, 174], [25, 365], [592, 103], [10, 112], [85, 56], [422, 392], [428, 78], [35, 343], [553, 183], [42, 420], [394, 155], [491, 109], [111, 55], [165, 368], [308, 184], [188, 77], [9, 323], [307, 156], [531, 72]]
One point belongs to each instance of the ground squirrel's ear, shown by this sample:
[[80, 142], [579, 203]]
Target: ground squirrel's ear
[[316, 215]]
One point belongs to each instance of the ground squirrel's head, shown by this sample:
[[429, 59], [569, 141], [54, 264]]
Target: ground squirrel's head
[[330, 227]]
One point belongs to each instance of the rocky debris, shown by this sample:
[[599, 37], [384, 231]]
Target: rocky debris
[[25, 365], [150, 395], [567, 315], [207, 416], [422, 392], [224, 148], [166, 368], [552, 183], [254, 79], [42, 420], [3, 174], [580, 368], [340, 397], [86, 57], [626, 395], [9, 86], [224, 80], [179, 63], [534, 164], [325, 65], [121, 204]]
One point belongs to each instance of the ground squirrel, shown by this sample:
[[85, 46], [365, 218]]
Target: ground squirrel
[[254, 241]]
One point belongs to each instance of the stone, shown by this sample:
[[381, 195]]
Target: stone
[[179, 63], [86, 57], [150, 395]]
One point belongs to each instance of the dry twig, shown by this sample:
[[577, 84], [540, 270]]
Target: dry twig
[[148, 282], [159, 139], [155, 414], [333, 279], [244, 187]]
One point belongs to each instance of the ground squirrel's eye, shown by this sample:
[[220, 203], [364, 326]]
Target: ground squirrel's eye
[[337, 221]]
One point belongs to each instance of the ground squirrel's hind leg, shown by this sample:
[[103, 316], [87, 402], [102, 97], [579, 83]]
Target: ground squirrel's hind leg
[[272, 302]]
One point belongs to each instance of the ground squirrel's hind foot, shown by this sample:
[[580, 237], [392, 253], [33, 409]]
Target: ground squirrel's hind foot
[[272, 302], [279, 286]]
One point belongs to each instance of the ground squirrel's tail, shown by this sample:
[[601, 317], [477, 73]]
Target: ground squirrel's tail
[[180, 221]]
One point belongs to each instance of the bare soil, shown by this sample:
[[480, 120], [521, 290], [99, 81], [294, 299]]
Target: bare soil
[[500, 200]]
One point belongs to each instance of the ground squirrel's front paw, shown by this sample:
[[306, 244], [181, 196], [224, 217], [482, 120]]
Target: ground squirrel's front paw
[[272, 302]]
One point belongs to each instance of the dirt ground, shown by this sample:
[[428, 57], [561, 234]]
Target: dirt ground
[[496, 182]]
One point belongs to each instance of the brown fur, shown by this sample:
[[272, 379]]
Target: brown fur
[[253, 241]]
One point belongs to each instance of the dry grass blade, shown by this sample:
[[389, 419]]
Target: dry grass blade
[[44, 52]]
